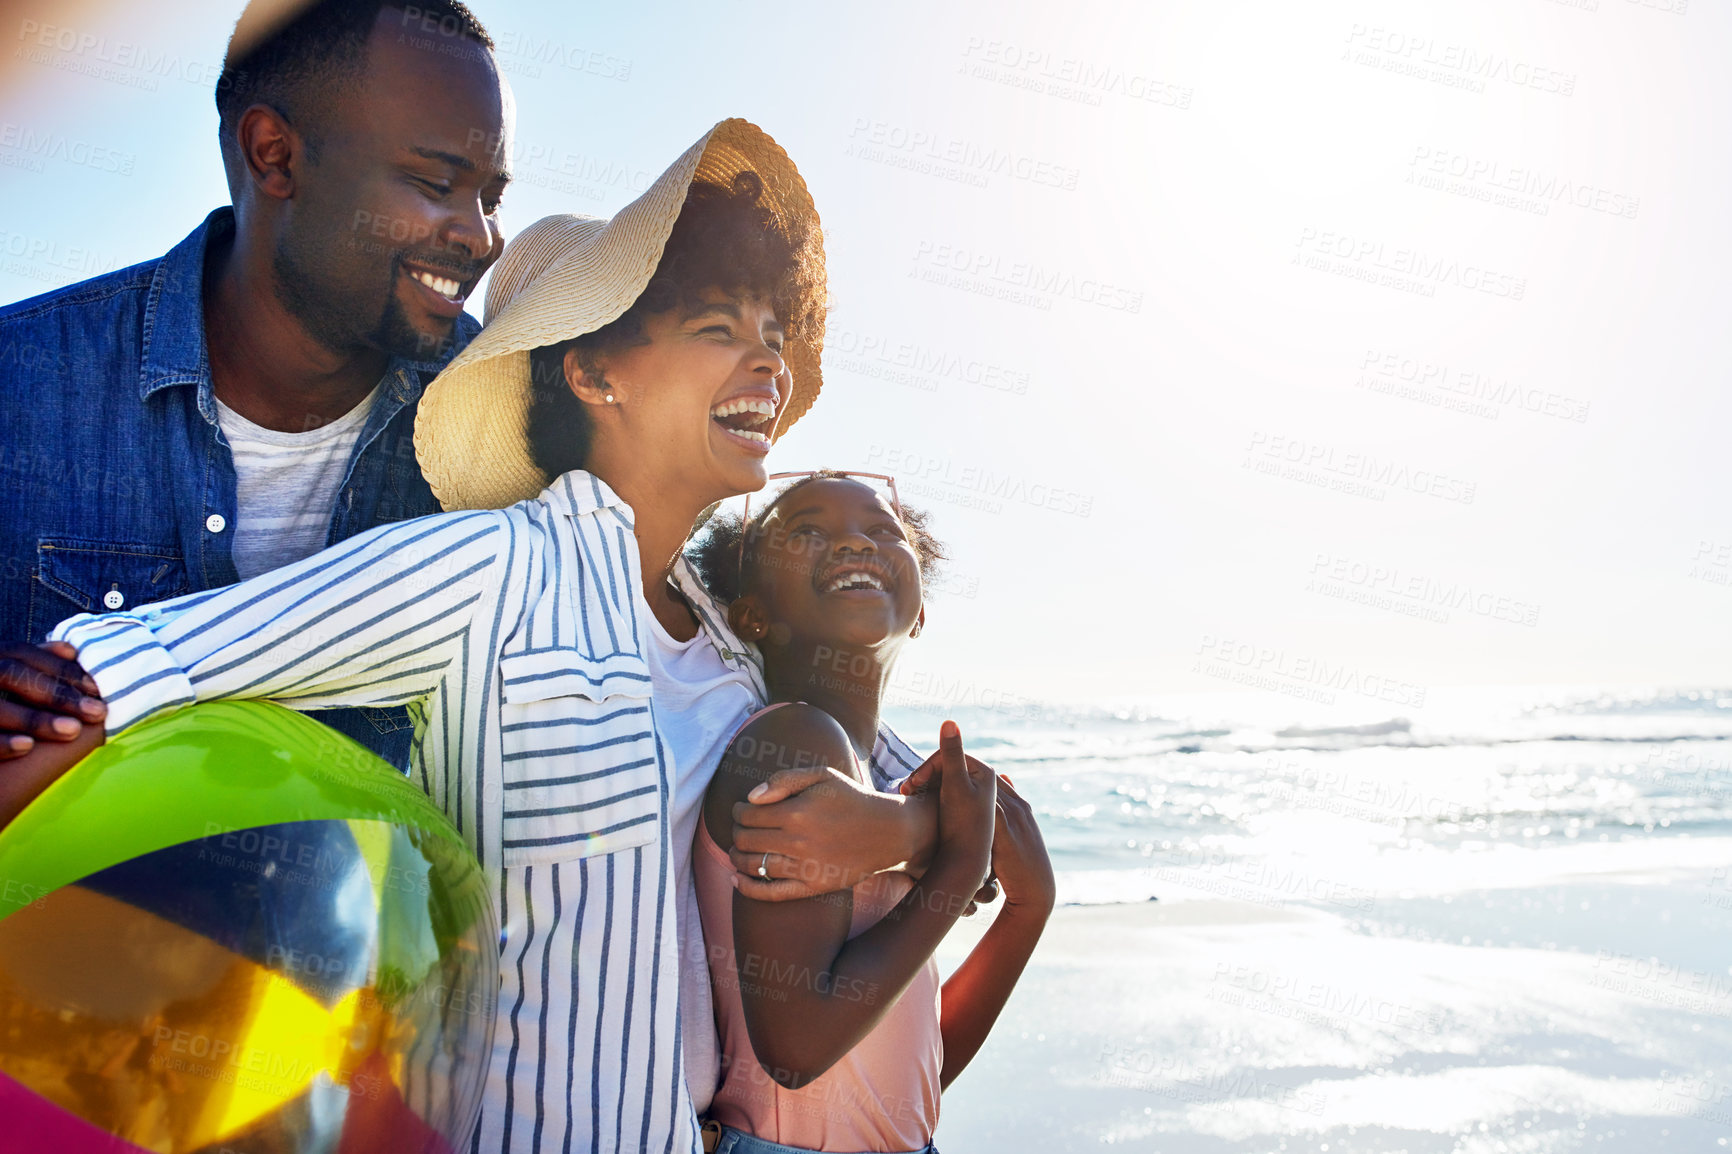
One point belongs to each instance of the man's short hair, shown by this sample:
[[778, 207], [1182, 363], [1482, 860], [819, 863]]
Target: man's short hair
[[291, 56]]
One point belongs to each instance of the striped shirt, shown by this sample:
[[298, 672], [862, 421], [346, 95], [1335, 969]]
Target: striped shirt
[[511, 637]]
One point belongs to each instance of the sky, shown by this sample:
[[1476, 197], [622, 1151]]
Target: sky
[[1354, 348]]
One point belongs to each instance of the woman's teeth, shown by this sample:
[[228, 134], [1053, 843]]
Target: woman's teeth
[[745, 405], [744, 416], [444, 286]]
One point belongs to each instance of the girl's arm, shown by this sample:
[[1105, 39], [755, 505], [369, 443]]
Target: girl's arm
[[371, 621], [976, 992], [809, 993]]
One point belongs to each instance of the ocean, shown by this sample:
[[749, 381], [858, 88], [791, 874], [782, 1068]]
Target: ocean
[[1502, 922]]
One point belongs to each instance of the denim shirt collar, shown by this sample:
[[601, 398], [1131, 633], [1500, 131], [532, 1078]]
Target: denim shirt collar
[[175, 352], [174, 348]]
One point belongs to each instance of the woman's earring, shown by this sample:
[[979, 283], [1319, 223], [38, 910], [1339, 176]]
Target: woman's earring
[[610, 398]]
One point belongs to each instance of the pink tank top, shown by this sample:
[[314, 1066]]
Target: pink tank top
[[881, 1096]]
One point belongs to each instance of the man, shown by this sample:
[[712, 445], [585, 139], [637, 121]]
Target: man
[[250, 398]]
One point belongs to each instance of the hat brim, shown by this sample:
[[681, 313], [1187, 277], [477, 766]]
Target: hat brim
[[471, 433]]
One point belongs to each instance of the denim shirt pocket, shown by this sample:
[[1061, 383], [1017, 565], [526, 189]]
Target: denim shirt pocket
[[81, 576], [582, 776]]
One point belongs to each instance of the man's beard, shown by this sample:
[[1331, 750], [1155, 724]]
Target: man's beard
[[340, 326]]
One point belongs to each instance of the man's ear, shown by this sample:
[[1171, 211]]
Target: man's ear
[[270, 150], [590, 388], [748, 618]]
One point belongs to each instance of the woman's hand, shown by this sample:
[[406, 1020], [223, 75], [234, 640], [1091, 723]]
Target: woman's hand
[[816, 831], [1019, 856]]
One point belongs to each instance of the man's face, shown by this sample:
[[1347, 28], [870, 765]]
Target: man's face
[[392, 225]]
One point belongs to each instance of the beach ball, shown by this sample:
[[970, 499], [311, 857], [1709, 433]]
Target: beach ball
[[234, 930]]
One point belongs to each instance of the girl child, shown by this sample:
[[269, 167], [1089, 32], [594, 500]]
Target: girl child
[[835, 1034]]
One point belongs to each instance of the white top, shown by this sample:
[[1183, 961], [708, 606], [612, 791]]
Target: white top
[[286, 485], [512, 637], [700, 703]]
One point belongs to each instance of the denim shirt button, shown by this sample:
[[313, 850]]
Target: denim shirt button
[[215, 523], [113, 599]]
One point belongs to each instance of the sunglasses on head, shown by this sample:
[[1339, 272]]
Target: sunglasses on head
[[839, 474]]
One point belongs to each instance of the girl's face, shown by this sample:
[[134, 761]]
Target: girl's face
[[697, 404], [833, 564]]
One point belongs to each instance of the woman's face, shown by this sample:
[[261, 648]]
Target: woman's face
[[834, 565], [696, 406]]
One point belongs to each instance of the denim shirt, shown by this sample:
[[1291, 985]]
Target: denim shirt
[[118, 485]]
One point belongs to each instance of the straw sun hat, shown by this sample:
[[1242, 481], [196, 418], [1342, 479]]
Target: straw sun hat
[[565, 276]]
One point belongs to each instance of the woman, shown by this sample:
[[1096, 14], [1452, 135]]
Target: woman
[[527, 634]]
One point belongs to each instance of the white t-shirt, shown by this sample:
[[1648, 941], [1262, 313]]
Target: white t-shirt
[[699, 703], [286, 486]]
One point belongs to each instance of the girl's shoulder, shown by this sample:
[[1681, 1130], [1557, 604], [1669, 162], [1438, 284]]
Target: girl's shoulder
[[788, 736]]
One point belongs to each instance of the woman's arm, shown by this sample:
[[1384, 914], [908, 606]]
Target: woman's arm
[[371, 621], [976, 992], [809, 993]]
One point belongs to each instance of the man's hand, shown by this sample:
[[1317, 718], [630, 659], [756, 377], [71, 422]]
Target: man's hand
[[45, 695], [27, 775]]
